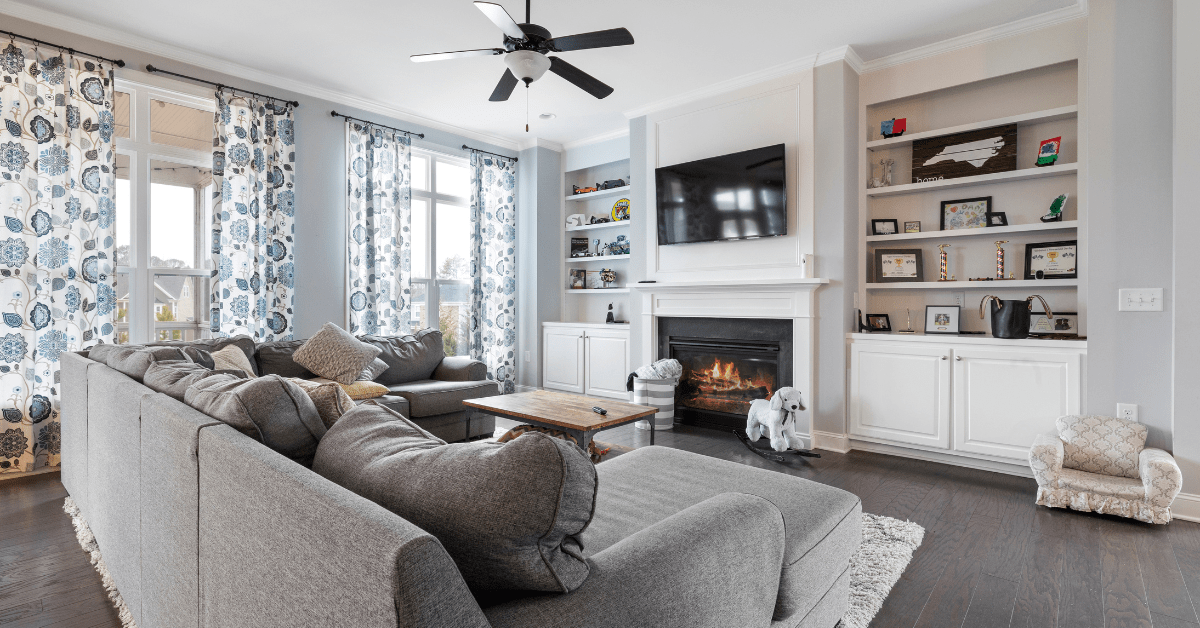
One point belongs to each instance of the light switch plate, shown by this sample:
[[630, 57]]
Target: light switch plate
[[1141, 300], [526, 356], [960, 298], [1127, 411]]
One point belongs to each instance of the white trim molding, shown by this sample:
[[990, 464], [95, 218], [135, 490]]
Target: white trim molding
[[539, 142], [829, 441], [596, 139], [843, 53], [1186, 507], [726, 86], [954, 459]]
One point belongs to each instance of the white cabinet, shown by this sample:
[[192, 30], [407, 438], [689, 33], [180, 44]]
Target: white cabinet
[[586, 358], [901, 393]]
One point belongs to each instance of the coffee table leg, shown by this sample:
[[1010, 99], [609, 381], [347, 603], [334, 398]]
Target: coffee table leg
[[652, 430]]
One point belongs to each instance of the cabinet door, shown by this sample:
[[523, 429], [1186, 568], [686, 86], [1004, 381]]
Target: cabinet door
[[562, 365], [900, 393], [1003, 398], [607, 359]]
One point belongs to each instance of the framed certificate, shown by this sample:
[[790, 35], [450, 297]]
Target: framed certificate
[[1055, 260], [895, 265]]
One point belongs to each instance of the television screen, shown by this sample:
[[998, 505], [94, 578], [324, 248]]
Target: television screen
[[731, 197]]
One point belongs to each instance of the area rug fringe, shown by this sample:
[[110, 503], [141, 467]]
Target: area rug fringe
[[887, 548], [86, 540]]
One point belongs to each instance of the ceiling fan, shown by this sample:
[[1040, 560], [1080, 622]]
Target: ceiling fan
[[526, 47]]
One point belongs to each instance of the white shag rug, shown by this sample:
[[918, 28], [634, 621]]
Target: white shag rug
[[84, 535], [887, 547]]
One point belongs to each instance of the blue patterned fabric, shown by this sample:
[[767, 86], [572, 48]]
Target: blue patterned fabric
[[379, 232], [254, 216], [58, 198], [494, 267]]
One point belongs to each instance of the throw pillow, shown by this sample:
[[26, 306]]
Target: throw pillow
[[409, 358], [134, 360], [360, 389], [243, 342], [201, 357], [275, 357], [329, 398], [270, 409], [174, 377], [232, 358], [509, 515], [376, 368], [335, 354]]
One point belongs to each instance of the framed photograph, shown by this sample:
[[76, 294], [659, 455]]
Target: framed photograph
[[912, 226], [997, 219], [894, 265], [967, 213], [577, 279], [879, 322], [884, 227], [579, 247], [1055, 260], [1062, 323], [941, 319]]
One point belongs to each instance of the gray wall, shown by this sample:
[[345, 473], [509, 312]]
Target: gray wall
[[639, 192], [1129, 76], [539, 293]]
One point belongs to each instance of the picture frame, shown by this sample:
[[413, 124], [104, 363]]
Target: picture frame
[[879, 322], [1061, 324], [966, 213], [576, 279], [899, 265], [997, 219], [884, 226], [912, 226], [942, 319], [1055, 260]]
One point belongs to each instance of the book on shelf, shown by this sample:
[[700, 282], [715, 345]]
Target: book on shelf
[[579, 247]]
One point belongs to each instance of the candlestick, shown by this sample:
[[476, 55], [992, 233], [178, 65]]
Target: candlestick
[[1000, 258]]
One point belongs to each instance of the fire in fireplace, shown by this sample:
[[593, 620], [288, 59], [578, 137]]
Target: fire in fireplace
[[710, 383]]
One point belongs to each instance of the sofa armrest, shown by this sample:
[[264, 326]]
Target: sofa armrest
[[460, 368], [715, 564], [1160, 475], [1046, 458]]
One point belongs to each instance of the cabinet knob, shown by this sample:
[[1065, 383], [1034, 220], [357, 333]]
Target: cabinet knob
[[943, 357], [958, 358]]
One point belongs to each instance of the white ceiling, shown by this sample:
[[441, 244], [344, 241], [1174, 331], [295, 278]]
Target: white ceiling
[[361, 47]]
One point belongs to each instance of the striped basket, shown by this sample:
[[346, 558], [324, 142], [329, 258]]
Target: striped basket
[[659, 393]]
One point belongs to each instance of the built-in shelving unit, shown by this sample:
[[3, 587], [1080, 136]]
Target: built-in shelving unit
[[596, 258], [590, 305], [991, 232], [598, 194], [1049, 115], [962, 182], [600, 225], [959, 285]]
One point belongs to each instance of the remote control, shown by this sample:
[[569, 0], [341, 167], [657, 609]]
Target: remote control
[[599, 410]]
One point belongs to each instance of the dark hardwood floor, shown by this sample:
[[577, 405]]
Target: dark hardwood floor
[[990, 558]]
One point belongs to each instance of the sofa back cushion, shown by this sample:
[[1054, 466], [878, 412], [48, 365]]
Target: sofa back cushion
[[509, 514], [275, 358], [335, 354], [211, 345], [1101, 444], [409, 358], [134, 360], [174, 377], [270, 409], [328, 396]]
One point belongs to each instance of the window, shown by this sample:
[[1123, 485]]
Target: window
[[441, 242], [164, 188]]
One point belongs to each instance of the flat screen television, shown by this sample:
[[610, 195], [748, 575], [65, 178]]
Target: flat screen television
[[731, 197]]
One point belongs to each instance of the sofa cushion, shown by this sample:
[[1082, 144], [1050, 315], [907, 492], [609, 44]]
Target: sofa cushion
[[392, 402], [134, 360], [508, 514], [174, 377], [232, 358], [270, 409], [328, 396], [211, 345], [200, 356], [1101, 444], [376, 368], [409, 358], [275, 358], [359, 390], [823, 524], [335, 354], [429, 397]]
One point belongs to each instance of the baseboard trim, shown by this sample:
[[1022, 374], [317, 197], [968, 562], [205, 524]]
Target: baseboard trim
[[523, 388], [25, 474], [829, 441], [1186, 507], [951, 459]]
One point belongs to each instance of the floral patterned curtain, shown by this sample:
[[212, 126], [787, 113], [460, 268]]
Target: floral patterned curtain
[[494, 267], [57, 196], [379, 202], [253, 218]]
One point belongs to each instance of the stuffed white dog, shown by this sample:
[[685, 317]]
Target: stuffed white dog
[[777, 419]]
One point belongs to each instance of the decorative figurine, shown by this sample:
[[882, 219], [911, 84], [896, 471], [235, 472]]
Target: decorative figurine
[[893, 128], [608, 276], [1000, 258], [1048, 151], [908, 328], [1056, 209], [596, 245], [874, 181], [611, 183], [575, 189], [610, 319], [943, 262], [575, 220], [886, 174]]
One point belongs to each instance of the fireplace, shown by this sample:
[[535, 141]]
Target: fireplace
[[727, 363]]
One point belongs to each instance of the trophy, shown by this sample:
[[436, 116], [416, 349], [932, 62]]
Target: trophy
[[908, 328], [1000, 258], [943, 267]]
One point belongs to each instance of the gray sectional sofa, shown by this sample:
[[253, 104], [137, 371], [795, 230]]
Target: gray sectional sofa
[[201, 525]]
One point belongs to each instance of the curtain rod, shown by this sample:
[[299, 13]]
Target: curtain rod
[[117, 62], [342, 115], [221, 86], [465, 147]]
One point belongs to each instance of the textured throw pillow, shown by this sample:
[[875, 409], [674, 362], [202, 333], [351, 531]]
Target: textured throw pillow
[[174, 377], [359, 390], [231, 358], [334, 353], [329, 398], [376, 368], [509, 515], [134, 360], [270, 409]]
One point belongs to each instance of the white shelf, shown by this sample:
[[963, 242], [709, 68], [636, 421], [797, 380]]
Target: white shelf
[[598, 290], [596, 258], [1066, 225], [600, 225], [958, 285], [1011, 175], [1049, 115], [598, 194]]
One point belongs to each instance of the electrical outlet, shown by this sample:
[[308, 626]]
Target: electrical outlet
[[856, 305], [960, 298], [1141, 300], [1127, 411], [526, 356]]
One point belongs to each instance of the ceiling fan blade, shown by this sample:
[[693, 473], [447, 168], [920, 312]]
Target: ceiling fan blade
[[598, 39], [501, 19], [458, 54], [579, 78], [505, 87]]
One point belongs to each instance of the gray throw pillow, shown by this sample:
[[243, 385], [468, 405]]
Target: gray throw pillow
[[376, 368], [334, 353], [134, 360], [243, 342], [275, 358], [200, 356], [269, 409], [409, 358], [174, 377], [509, 514]]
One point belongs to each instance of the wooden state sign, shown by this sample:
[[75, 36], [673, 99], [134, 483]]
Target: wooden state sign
[[965, 154]]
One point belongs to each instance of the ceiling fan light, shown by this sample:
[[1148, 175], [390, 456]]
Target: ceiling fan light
[[527, 65]]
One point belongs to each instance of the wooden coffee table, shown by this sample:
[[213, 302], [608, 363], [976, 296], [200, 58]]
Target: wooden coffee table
[[572, 414]]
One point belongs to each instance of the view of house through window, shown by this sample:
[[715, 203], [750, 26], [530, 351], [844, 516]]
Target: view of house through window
[[441, 242]]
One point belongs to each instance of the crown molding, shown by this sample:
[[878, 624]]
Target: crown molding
[[541, 143], [726, 86], [842, 53], [596, 139], [1026, 25], [142, 44]]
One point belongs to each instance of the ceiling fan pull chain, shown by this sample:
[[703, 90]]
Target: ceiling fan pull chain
[[527, 101], [527, 20]]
